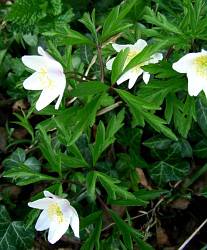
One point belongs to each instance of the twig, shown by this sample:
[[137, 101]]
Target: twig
[[192, 235], [100, 62], [109, 108]]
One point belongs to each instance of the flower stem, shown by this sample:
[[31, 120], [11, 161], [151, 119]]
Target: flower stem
[[100, 62]]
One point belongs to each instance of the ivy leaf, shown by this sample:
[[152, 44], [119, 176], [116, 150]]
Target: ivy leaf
[[13, 234], [201, 111], [15, 159], [163, 172]]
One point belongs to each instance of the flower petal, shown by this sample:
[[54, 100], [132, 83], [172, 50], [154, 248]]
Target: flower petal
[[146, 77], [133, 79], [43, 221], [42, 52], [34, 62], [74, 222], [70, 213], [33, 82], [156, 58], [57, 230], [195, 83], [124, 77], [109, 63], [119, 47], [41, 203], [185, 62], [46, 97], [50, 195], [139, 45]]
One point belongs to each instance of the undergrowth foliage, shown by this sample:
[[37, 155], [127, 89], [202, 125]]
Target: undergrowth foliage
[[112, 152]]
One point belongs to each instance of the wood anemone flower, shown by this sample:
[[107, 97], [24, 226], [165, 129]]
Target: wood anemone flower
[[134, 73], [195, 66], [56, 216], [48, 77]]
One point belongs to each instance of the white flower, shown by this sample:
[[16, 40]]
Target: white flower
[[134, 73], [48, 77], [56, 216], [195, 66]]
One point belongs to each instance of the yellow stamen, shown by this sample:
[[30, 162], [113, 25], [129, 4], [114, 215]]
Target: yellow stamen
[[201, 65], [54, 210], [44, 79]]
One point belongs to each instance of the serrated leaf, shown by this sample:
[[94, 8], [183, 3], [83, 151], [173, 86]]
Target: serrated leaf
[[91, 184], [89, 88], [24, 176], [118, 64]]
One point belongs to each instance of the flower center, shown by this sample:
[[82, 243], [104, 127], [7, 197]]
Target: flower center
[[55, 211], [44, 78], [201, 65]]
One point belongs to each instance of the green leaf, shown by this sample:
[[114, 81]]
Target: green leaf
[[135, 101], [24, 176], [99, 144], [118, 64], [93, 241], [114, 22], [158, 124], [89, 88], [33, 164], [91, 184], [89, 22], [87, 117], [47, 150], [15, 159], [161, 21], [163, 172], [201, 111], [195, 176], [112, 189], [129, 202], [74, 37], [104, 138], [145, 54], [149, 195], [90, 219], [72, 162], [200, 149], [14, 235], [126, 230]]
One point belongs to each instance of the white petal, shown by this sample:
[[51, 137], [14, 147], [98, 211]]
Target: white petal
[[146, 77], [124, 77], [156, 58], [43, 221], [195, 83], [133, 79], [139, 45], [46, 97], [74, 223], [42, 52], [41, 203], [119, 47], [33, 82], [34, 62], [109, 63], [50, 195], [70, 213], [185, 62], [57, 230]]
